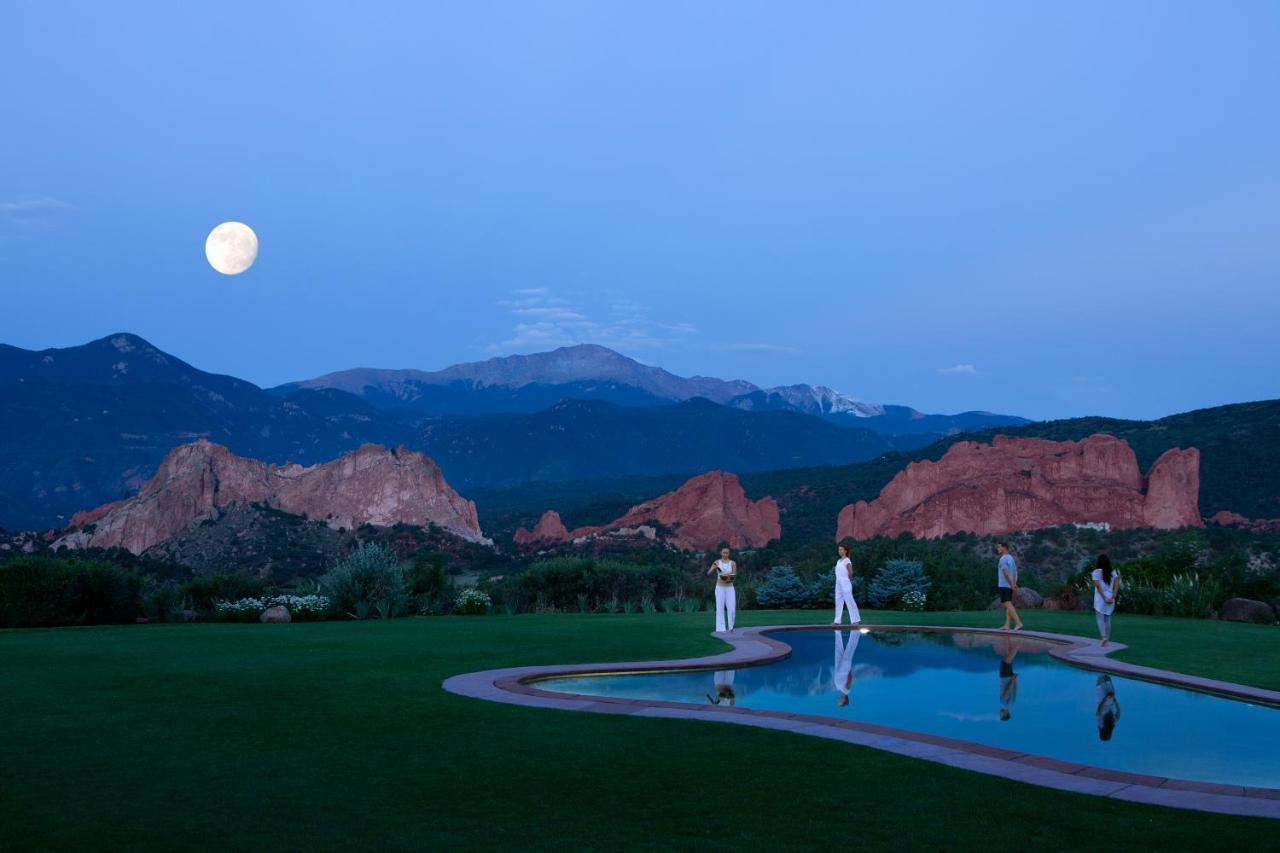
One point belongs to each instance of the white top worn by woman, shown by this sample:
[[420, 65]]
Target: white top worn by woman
[[1099, 601], [724, 568], [842, 572]]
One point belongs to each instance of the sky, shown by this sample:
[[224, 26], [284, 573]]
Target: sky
[[1048, 209]]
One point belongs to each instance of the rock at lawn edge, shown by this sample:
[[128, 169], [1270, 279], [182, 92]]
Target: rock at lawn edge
[[279, 613]]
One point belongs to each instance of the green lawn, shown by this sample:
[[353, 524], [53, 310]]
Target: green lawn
[[338, 735]]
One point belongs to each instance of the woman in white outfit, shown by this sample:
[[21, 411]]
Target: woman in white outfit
[[844, 588], [1106, 586], [725, 571]]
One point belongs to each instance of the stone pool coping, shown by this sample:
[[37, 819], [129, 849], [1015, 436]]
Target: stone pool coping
[[513, 685]]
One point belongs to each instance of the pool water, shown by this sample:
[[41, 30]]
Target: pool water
[[1005, 691]]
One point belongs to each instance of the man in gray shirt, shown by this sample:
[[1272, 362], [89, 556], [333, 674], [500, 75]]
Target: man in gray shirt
[[1007, 584]]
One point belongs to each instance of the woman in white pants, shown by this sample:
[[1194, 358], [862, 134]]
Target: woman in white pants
[[844, 589], [725, 571], [1106, 586]]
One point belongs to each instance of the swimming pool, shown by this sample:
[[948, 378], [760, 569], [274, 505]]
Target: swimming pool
[[1003, 691]]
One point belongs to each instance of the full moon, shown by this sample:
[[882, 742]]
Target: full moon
[[231, 248]]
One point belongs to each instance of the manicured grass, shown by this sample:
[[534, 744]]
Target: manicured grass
[[338, 735]]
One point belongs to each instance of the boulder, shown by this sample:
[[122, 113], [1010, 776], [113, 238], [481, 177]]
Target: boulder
[[278, 613], [1248, 610], [1025, 598], [196, 481], [1026, 484]]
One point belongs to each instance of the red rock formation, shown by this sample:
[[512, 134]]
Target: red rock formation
[[1173, 490], [705, 511], [371, 485], [548, 529], [1025, 484], [1226, 518]]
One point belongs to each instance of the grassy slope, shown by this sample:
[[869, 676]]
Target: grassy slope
[[338, 735]]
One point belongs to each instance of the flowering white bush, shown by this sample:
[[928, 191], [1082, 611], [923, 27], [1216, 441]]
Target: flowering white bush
[[913, 600], [301, 607], [472, 601]]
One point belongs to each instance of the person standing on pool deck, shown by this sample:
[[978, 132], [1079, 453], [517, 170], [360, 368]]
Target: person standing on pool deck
[[726, 599], [1007, 584], [843, 676], [1106, 586], [844, 588]]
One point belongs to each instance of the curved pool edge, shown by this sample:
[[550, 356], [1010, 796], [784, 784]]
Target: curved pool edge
[[750, 646]]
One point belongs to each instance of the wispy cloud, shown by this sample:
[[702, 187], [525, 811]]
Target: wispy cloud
[[28, 205], [958, 370], [776, 349], [545, 319], [32, 210]]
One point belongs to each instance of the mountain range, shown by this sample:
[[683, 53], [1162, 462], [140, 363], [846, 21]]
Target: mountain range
[[80, 426], [530, 383]]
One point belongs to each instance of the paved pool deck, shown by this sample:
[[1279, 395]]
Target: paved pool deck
[[517, 686]]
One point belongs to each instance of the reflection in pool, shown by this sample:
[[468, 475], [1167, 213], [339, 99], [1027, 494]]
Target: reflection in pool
[[1001, 690]]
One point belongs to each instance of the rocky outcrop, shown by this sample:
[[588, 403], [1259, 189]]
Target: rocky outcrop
[[1226, 518], [705, 511], [1025, 484], [195, 481], [548, 529]]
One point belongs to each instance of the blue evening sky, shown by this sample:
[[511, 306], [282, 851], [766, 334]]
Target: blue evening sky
[[1051, 209]]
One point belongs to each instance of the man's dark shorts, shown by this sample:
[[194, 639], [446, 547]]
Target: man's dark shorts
[[1006, 594]]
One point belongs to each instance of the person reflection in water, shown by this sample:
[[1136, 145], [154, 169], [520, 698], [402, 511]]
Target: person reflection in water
[[843, 677], [1008, 680], [724, 688], [1108, 710]]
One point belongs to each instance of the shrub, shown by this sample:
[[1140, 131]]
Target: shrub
[[782, 587], [204, 590], [105, 595], [41, 591], [914, 600], [895, 579], [162, 602], [1181, 595], [557, 583], [1188, 595], [472, 602], [368, 579]]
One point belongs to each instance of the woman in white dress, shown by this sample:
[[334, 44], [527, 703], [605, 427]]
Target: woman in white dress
[[1106, 587], [844, 589], [725, 571]]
